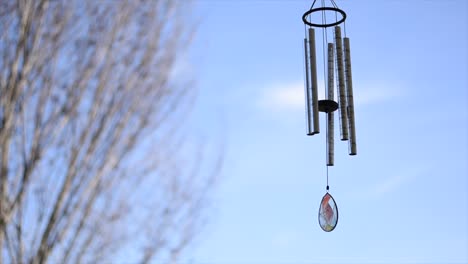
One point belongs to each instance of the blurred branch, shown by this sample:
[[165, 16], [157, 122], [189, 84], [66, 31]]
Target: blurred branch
[[89, 118]]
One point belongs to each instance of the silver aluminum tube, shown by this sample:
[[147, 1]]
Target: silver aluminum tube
[[341, 84], [308, 95], [313, 83], [331, 115], [350, 100]]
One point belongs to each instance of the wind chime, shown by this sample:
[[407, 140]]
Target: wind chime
[[336, 64]]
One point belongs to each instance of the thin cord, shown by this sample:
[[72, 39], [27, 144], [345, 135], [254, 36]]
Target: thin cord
[[323, 49], [334, 4], [325, 82], [312, 4], [328, 187], [336, 13], [326, 36], [344, 28]]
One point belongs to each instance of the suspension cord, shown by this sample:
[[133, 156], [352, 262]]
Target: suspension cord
[[312, 4], [328, 187], [344, 25], [335, 6], [324, 42], [323, 49]]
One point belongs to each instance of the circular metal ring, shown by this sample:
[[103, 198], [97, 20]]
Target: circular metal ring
[[343, 14]]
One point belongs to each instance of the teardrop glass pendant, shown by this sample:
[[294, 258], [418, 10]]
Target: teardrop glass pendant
[[328, 213]]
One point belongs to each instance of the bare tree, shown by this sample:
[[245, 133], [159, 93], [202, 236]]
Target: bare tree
[[91, 165]]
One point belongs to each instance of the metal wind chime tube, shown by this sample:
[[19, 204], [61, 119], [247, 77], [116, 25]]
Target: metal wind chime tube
[[313, 81], [308, 92], [330, 116], [341, 84], [350, 99], [336, 72]]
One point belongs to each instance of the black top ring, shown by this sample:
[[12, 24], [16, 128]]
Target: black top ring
[[343, 14]]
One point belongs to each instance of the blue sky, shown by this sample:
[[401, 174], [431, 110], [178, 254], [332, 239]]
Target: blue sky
[[402, 199]]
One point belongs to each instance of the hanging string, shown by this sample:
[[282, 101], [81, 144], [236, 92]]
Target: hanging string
[[324, 42], [328, 187], [326, 36], [335, 6], [323, 49], [344, 25], [312, 4]]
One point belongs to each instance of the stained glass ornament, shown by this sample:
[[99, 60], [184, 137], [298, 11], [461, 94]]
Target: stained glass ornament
[[328, 213]]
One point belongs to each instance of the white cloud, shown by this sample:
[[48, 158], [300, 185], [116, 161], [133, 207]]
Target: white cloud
[[290, 96], [397, 180], [370, 93], [390, 184]]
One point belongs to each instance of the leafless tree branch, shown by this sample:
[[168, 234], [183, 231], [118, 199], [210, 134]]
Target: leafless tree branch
[[92, 161]]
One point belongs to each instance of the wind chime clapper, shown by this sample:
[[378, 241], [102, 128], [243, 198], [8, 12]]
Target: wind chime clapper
[[337, 72]]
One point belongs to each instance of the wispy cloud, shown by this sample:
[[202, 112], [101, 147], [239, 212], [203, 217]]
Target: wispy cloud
[[290, 96], [395, 181], [372, 93], [391, 184], [285, 97]]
